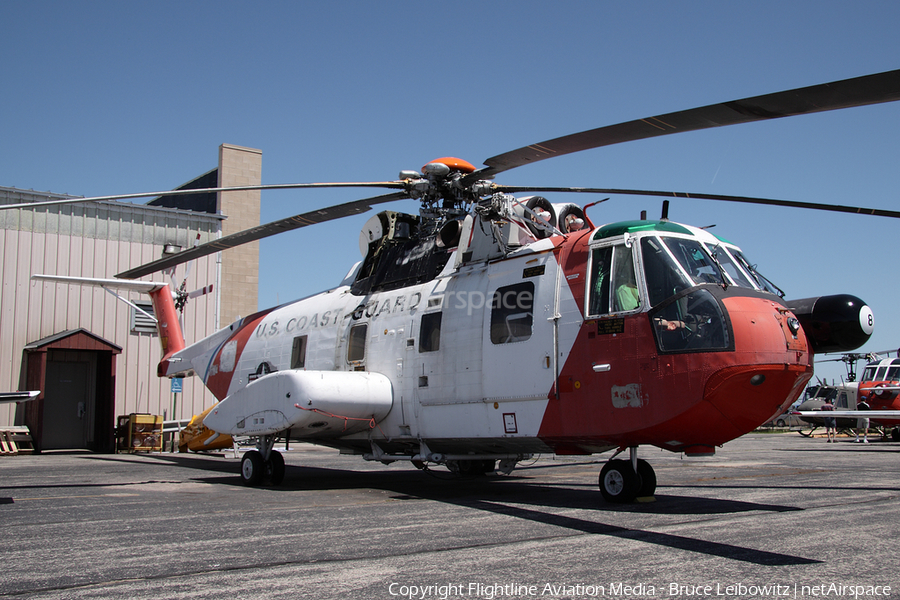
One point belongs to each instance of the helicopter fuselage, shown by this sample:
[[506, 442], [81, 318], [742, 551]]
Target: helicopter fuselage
[[532, 352]]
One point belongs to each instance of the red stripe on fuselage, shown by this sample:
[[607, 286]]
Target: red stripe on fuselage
[[220, 381]]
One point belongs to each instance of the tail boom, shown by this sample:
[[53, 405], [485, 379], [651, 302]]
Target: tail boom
[[167, 324]]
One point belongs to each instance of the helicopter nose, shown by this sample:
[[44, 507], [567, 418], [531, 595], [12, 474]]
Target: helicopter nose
[[749, 395], [772, 363]]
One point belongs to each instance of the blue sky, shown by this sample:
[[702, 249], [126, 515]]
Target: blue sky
[[103, 97]]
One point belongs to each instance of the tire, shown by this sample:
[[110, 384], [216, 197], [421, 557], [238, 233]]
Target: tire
[[253, 468], [275, 468], [618, 482], [648, 479]]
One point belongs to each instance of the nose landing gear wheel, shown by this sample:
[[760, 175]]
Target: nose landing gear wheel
[[618, 482]]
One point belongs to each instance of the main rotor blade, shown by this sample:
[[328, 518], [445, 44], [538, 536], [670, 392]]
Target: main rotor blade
[[858, 91], [397, 185], [878, 212], [257, 233]]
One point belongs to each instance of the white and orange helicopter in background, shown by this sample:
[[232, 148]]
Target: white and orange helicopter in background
[[489, 328], [879, 388]]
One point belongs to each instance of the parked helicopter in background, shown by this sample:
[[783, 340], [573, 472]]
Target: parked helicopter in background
[[490, 328], [878, 387], [841, 396]]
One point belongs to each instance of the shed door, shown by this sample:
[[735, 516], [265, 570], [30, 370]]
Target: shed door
[[68, 405]]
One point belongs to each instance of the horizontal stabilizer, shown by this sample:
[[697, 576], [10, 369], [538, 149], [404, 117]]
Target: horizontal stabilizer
[[112, 284], [8, 397]]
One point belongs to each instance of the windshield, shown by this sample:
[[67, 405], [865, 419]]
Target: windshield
[[869, 373], [720, 254], [694, 258], [760, 281], [893, 373], [882, 372]]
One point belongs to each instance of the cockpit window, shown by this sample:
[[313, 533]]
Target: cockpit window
[[720, 254], [614, 286], [869, 373], [691, 322], [627, 296], [893, 373], [695, 260], [762, 282], [664, 278]]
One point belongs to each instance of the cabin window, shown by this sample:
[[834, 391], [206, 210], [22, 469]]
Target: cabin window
[[430, 332], [512, 313], [298, 352], [842, 401], [356, 343], [624, 282]]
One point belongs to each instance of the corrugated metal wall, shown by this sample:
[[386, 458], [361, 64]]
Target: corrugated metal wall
[[99, 239]]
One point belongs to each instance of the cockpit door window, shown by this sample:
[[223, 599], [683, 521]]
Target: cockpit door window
[[663, 276], [614, 286]]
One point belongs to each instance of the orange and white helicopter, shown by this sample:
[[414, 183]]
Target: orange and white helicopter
[[490, 328], [879, 388]]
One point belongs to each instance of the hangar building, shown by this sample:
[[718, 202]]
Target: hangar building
[[91, 355]]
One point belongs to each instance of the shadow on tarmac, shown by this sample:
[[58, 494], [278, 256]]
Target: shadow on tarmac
[[517, 496]]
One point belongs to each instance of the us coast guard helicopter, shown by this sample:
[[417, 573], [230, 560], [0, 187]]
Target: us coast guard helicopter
[[491, 327]]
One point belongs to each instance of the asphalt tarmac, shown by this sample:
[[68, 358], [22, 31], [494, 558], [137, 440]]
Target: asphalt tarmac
[[769, 516]]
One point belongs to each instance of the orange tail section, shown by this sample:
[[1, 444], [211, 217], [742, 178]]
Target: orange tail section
[[168, 326]]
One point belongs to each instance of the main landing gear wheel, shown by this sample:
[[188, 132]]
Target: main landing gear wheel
[[275, 468], [620, 484], [648, 478], [618, 481], [253, 467]]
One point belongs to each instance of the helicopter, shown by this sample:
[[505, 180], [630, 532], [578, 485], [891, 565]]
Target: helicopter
[[489, 328], [878, 388]]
